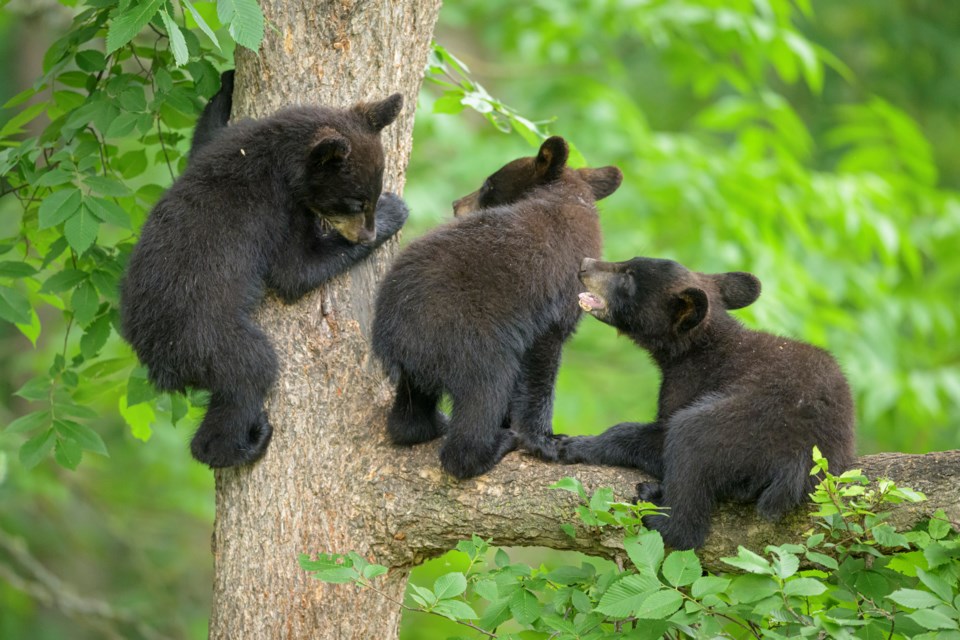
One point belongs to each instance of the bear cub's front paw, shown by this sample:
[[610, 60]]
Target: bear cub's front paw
[[545, 447], [392, 212], [573, 449]]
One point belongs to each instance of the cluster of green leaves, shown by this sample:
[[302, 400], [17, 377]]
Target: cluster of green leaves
[[109, 122], [853, 576], [448, 72]]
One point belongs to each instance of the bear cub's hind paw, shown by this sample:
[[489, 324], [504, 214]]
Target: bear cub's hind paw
[[406, 430], [468, 459], [218, 450], [649, 492]]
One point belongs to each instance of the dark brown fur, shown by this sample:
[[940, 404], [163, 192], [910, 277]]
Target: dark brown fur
[[480, 307], [739, 410], [282, 203]]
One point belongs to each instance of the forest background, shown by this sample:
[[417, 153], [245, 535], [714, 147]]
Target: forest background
[[812, 144]]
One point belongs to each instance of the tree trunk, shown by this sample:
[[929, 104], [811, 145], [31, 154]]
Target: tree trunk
[[330, 481], [313, 487]]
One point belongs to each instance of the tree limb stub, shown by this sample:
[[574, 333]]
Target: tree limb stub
[[425, 512]]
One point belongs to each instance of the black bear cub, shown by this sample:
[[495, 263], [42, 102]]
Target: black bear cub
[[739, 410], [480, 307], [283, 203]]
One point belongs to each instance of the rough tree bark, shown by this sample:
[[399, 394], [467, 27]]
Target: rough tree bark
[[330, 481]]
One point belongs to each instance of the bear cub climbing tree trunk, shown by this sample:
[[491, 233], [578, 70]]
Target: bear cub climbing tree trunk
[[328, 403]]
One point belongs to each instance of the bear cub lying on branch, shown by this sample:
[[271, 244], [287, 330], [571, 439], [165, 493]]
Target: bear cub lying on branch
[[283, 203], [739, 411], [480, 308]]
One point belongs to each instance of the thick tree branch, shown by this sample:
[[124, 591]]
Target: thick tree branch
[[426, 512]]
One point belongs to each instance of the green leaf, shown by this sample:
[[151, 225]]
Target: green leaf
[[449, 103], [54, 178], [59, 206], [122, 126], [750, 588], [931, 619], [661, 604], [28, 422], [572, 485], [107, 186], [936, 554], [177, 44], [91, 60], [682, 568], [139, 388], [372, 571], [201, 23], [706, 585], [803, 587], [14, 125], [887, 536], [450, 585], [423, 596], [524, 607], [936, 584], [914, 598], [500, 558], [496, 613], [125, 25], [132, 98], [625, 596], [82, 435], [601, 499], [822, 559], [17, 269], [107, 211], [749, 561], [95, 336], [31, 330], [14, 306], [938, 527], [245, 19], [68, 454], [455, 610], [36, 448], [84, 303], [37, 388], [81, 230], [138, 417], [645, 550], [66, 279]]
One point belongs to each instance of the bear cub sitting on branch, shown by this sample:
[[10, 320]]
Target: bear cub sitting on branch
[[283, 203], [479, 308], [739, 410]]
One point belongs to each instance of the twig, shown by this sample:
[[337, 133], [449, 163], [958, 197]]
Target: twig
[[49, 590]]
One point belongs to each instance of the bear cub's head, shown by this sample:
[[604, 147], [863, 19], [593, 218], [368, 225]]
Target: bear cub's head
[[655, 300], [344, 169], [518, 179]]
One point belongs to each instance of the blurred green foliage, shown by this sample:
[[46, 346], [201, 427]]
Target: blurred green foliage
[[809, 143]]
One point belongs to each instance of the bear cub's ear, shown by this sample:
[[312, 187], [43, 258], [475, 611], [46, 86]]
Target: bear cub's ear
[[738, 288], [602, 181], [552, 158], [331, 146], [691, 306], [379, 114]]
